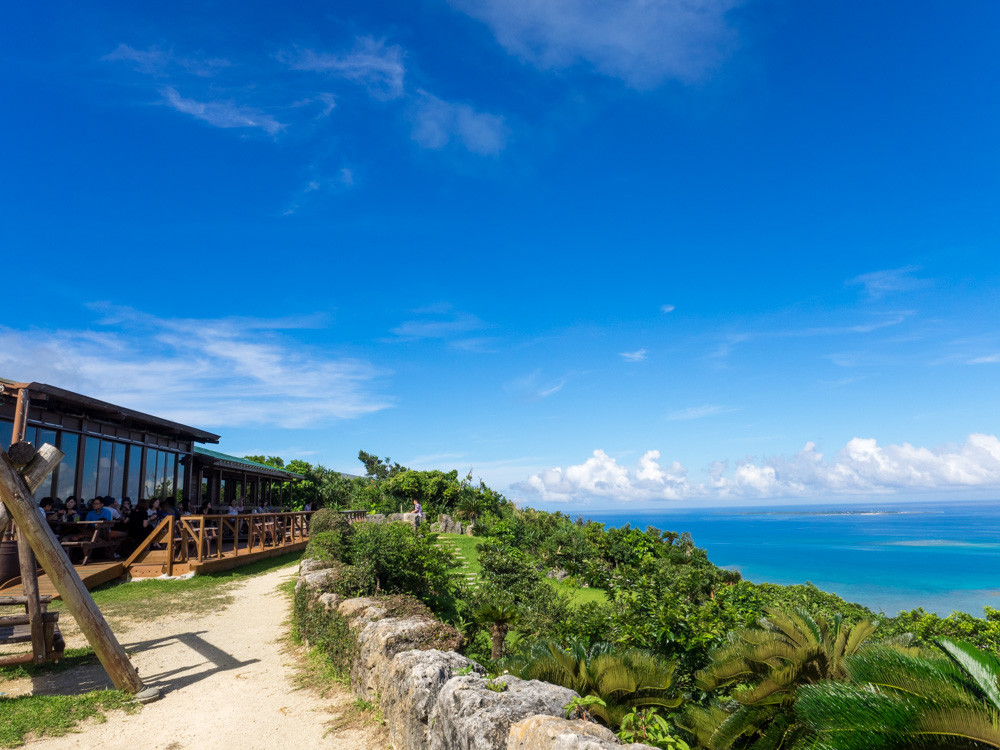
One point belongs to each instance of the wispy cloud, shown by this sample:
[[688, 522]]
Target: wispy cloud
[[222, 114], [667, 308], [372, 63], [878, 284], [342, 180], [642, 42], [987, 360], [440, 328], [156, 61], [862, 466], [699, 412], [222, 372], [436, 123], [636, 356], [535, 387]]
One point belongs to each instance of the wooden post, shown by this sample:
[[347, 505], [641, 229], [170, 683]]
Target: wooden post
[[21, 415], [39, 466], [19, 500]]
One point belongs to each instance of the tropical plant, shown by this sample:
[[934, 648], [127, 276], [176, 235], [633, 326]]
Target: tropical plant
[[623, 680], [500, 617], [903, 700], [766, 666], [646, 726]]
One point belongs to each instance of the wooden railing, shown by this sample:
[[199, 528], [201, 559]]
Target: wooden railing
[[203, 538], [354, 516]]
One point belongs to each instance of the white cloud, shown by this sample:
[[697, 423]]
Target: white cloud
[[436, 123], [439, 328], [878, 284], [155, 61], [151, 61], [372, 64], [636, 356], [642, 42], [207, 373], [987, 360], [697, 412], [535, 387], [860, 467], [667, 308], [222, 114]]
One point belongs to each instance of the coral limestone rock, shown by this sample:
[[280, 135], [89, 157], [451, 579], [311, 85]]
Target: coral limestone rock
[[415, 678], [468, 715], [553, 733]]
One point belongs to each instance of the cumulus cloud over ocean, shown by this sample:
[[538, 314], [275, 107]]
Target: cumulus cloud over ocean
[[862, 466]]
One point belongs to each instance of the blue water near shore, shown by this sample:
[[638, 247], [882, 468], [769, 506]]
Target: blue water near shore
[[891, 557]]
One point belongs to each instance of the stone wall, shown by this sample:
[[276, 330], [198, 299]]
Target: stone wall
[[436, 699]]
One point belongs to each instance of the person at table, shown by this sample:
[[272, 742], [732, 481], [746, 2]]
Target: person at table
[[138, 526], [126, 509], [233, 509], [98, 511], [205, 509], [48, 507], [112, 505], [70, 511]]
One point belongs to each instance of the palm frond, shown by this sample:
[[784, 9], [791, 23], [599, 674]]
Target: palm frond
[[982, 668]]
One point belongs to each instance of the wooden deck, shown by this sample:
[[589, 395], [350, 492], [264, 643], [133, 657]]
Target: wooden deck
[[92, 575], [193, 548]]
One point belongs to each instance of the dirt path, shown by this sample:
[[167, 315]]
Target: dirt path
[[225, 683]]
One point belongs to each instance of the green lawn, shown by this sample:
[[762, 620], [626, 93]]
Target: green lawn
[[466, 546], [197, 595]]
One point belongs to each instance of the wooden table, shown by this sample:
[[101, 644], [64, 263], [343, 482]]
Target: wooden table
[[94, 535]]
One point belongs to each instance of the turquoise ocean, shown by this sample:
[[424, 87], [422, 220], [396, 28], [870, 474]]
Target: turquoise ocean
[[899, 556]]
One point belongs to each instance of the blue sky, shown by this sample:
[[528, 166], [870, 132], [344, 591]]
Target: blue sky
[[604, 254]]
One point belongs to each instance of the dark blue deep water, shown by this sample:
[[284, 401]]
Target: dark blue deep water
[[939, 556]]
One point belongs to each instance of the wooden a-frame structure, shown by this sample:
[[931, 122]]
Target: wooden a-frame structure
[[22, 471]]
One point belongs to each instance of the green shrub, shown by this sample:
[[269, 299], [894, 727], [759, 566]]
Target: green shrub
[[326, 545], [392, 558], [325, 630], [325, 519]]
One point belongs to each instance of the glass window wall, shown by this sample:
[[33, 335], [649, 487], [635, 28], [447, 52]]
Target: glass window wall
[[66, 471]]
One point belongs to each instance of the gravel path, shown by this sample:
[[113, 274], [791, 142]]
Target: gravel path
[[225, 683]]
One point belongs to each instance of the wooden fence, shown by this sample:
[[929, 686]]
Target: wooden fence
[[175, 545]]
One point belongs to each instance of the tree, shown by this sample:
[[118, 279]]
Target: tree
[[901, 700], [500, 617], [378, 468], [767, 665]]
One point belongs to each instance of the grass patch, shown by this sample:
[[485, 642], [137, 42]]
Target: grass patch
[[466, 547], [198, 595], [53, 715], [579, 595], [73, 657]]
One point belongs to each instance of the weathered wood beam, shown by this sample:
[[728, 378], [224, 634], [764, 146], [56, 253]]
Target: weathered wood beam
[[42, 463], [33, 528]]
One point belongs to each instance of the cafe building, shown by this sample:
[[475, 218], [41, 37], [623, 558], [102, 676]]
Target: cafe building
[[116, 451]]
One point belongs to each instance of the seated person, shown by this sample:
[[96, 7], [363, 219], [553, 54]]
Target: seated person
[[112, 505], [72, 511], [99, 512], [48, 508]]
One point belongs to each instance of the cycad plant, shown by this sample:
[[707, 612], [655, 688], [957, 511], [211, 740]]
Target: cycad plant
[[765, 666], [500, 617], [902, 700], [624, 680]]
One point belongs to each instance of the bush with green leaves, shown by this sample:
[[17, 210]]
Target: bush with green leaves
[[393, 558]]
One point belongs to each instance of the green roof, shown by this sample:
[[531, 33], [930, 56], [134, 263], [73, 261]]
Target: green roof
[[235, 462]]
